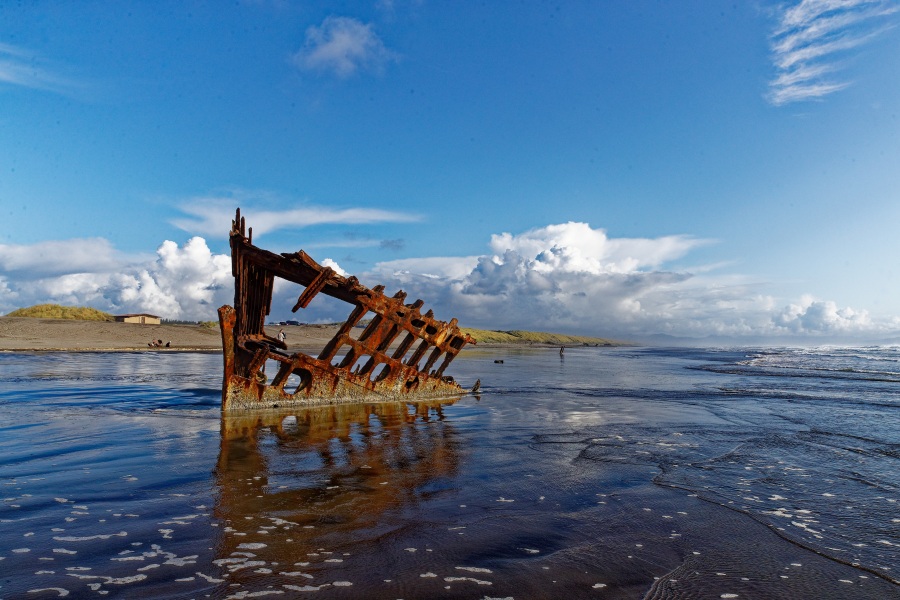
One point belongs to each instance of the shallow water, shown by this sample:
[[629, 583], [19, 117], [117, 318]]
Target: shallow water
[[606, 473]]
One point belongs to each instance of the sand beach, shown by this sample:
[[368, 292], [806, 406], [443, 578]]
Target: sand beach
[[70, 335], [29, 334]]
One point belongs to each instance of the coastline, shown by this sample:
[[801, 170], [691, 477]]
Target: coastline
[[29, 334]]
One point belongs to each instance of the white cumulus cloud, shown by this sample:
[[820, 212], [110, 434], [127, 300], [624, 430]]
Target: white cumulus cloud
[[811, 315], [576, 247], [335, 267], [187, 282], [573, 278], [343, 46]]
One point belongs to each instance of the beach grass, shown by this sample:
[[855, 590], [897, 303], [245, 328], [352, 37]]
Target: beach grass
[[56, 311]]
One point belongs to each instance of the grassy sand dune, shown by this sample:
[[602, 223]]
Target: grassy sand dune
[[55, 311]]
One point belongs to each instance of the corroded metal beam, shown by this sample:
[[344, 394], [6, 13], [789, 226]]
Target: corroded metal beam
[[348, 369]]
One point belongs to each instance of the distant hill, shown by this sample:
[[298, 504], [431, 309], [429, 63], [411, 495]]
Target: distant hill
[[485, 336], [55, 311]]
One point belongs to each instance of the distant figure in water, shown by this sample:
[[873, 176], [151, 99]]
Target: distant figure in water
[[281, 336], [562, 350]]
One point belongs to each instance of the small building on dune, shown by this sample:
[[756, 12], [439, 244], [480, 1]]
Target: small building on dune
[[142, 318]]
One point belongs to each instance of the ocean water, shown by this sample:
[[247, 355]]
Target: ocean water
[[602, 473]]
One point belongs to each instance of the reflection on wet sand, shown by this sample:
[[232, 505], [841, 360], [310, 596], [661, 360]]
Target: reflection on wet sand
[[300, 490]]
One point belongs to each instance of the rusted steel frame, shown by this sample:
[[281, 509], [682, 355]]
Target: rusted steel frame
[[357, 350], [292, 363], [263, 350], [375, 358], [431, 330], [257, 298], [431, 360], [334, 344], [384, 329], [350, 358], [247, 347], [347, 289], [408, 318], [227, 320], [403, 348], [378, 335], [363, 347], [391, 318], [419, 353], [298, 268], [314, 287]]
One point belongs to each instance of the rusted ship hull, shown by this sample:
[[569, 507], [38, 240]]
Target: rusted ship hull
[[371, 367]]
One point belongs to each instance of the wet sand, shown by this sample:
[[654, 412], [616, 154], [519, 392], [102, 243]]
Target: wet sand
[[566, 478]]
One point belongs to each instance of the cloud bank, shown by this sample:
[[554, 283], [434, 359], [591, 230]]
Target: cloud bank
[[573, 278], [566, 277], [187, 282], [343, 46], [811, 38]]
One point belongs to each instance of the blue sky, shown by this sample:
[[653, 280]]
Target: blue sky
[[623, 169]]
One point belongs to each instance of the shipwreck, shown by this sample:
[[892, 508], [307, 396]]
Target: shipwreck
[[377, 365]]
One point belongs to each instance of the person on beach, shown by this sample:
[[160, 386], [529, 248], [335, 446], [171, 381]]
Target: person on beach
[[281, 335]]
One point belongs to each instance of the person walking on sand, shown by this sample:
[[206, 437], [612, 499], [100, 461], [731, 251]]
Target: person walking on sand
[[281, 336]]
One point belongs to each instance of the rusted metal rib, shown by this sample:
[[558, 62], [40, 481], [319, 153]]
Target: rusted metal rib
[[313, 288], [347, 369]]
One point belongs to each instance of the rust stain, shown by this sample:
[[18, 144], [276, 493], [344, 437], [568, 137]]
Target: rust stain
[[368, 368]]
